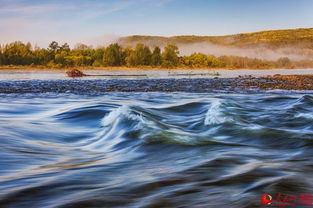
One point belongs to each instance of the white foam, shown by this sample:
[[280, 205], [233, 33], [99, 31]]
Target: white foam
[[215, 114], [123, 111]]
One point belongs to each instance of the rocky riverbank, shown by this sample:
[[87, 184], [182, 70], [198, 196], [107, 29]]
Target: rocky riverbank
[[286, 82], [79, 86]]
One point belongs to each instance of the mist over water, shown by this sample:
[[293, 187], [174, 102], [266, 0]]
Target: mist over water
[[153, 149], [258, 52]]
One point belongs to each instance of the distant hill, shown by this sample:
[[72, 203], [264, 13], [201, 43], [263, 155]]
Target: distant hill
[[293, 43], [273, 38]]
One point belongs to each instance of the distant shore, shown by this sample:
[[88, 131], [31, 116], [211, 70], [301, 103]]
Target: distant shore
[[24, 73], [123, 68]]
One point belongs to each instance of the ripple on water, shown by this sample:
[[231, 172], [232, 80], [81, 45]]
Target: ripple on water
[[153, 149]]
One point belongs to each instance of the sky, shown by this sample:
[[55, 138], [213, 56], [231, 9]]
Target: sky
[[98, 22]]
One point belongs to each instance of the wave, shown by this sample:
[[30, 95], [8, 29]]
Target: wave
[[195, 123], [215, 114], [157, 150]]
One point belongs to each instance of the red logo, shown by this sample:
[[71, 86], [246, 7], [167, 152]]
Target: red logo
[[284, 200], [266, 199]]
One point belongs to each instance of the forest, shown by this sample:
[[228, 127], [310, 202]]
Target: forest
[[62, 56]]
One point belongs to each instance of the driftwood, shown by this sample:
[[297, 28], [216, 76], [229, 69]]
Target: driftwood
[[75, 73]]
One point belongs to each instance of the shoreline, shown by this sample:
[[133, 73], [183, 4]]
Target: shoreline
[[48, 74], [194, 80], [143, 68]]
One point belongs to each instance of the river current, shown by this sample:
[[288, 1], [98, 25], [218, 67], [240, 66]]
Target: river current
[[154, 149]]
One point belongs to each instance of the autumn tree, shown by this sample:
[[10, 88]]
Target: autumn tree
[[284, 62], [199, 60], [214, 62]]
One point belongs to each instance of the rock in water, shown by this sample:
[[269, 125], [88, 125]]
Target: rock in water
[[75, 73]]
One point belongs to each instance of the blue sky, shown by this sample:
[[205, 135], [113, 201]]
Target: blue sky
[[97, 21]]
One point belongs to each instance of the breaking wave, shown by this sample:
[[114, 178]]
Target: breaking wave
[[159, 150]]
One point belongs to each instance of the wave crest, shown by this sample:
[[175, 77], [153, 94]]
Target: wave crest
[[216, 115]]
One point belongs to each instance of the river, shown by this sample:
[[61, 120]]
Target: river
[[154, 149]]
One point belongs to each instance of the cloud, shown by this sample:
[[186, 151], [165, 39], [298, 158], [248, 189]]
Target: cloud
[[81, 8], [36, 20]]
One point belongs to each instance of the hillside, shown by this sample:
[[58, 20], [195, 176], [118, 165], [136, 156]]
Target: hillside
[[274, 38], [295, 44]]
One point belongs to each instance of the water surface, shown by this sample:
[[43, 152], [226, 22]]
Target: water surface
[[154, 149], [30, 74]]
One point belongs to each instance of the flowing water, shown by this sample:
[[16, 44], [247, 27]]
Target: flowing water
[[154, 149]]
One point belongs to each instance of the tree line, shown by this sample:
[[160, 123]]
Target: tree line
[[56, 55]]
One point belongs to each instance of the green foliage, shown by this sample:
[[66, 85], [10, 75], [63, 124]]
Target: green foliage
[[156, 58], [97, 56], [60, 58], [141, 56], [113, 55], [170, 56], [236, 62], [65, 47], [198, 60], [18, 53], [41, 56]]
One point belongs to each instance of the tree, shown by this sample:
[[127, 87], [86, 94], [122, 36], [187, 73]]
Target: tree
[[156, 59], [213, 62], [18, 53], [65, 47], [126, 53], [199, 60], [113, 55], [284, 62], [53, 46], [53, 49], [41, 56], [170, 56], [141, 56], [98, 57], [81, 46], [60, 58]]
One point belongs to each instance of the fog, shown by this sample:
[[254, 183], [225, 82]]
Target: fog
[[102, 41], [260, 52], [256, 52]]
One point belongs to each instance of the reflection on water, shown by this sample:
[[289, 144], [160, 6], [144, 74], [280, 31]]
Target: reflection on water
[[153, 149]]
